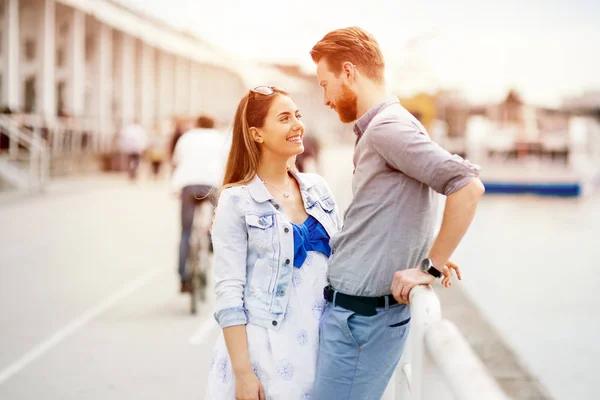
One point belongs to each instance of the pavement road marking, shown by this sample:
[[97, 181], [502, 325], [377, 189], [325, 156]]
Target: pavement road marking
[[77, 324]]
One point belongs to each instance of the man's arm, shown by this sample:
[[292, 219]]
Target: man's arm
[[405, 147], [458, 215]]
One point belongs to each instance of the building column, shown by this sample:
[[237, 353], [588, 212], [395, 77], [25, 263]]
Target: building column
[[128, 62], [200, 87], [166, 87], [11, 81], [147, 88], [47, 37], [195, 108], [105, 79], [182, 85], [189, 88], [77, 64]]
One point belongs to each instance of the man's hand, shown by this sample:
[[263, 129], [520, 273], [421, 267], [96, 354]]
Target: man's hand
[[405, 280], [448, 269]]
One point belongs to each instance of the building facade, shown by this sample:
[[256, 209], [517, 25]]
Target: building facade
[[97, 60]]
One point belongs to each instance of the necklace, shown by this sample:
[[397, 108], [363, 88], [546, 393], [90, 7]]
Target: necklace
[[285, 193]]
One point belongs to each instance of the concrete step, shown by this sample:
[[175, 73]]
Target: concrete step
[[13, 174], [14, 171]]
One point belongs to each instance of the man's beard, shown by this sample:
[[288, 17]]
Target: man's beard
[[346, 105]]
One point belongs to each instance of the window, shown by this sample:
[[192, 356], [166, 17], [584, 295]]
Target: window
[[30, 95], [60, 57], [29, 49], [60, 90], [64, 29], [89, 47]]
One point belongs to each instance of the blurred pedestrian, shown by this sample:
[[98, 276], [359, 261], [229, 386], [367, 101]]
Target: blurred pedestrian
[[198, 161], [156, 154], [308, 161], [134, 140]]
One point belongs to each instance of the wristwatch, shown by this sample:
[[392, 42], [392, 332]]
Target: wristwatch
[[427, 266]]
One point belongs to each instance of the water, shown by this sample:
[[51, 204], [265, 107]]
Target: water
[[533, 267]]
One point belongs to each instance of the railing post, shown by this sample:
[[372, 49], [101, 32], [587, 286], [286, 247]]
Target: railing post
[[425, 310], [13, 144], [399, 386], [34, 155], [55, 141], [44, 164]]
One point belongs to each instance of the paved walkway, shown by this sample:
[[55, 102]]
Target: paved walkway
[[90, 303], [89, 294]]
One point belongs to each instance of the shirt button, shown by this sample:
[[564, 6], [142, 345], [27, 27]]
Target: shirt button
[[277, 208], [286, 230], [281, 293], [274, 323], [287, 261]]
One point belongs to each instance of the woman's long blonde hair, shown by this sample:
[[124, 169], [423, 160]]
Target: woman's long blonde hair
[[244, 155]]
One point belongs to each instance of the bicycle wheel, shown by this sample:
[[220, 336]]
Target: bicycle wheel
[[195, 294], [202, 281], [194, 268]]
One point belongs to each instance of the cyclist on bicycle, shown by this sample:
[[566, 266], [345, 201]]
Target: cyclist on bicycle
[[198, 162]]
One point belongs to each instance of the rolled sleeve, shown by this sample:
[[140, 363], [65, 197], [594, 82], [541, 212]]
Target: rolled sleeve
[[230, 243], [231, 317], [453, 174], [406, 148]]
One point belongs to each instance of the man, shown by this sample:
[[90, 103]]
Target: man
[[386, 246], [198, 160]]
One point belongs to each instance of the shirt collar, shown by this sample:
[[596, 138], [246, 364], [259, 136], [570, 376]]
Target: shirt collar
[[258, 191], [363, 122], [304, 183]]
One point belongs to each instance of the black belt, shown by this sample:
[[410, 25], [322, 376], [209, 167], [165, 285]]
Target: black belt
[[359, 304]]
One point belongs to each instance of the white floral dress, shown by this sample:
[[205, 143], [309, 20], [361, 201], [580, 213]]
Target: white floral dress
[[283, 360]]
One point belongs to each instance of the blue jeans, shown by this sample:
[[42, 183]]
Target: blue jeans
[[359, 354]]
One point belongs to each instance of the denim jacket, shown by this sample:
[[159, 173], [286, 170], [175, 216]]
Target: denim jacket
[[254, 249]]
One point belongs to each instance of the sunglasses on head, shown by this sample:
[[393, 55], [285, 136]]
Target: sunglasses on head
[[267, 90]]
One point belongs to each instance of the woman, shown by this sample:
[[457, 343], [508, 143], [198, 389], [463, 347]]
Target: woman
[[271, 243]]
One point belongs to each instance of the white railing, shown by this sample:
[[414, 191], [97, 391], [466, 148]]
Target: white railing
[[69, 135], [35, 154], [438, 363]]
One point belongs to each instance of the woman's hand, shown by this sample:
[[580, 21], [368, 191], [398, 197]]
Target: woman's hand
[[248, 387], [448, 269]]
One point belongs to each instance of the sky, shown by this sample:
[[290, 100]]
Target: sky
[[547, 50]]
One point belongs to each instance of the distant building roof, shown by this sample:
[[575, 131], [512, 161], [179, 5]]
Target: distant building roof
[[152, 31], [513, 98], [587, 101], [161, 35]]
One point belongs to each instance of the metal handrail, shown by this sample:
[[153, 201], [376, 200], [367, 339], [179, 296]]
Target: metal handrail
[[69, 135], [38, 158], [438, 363]]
